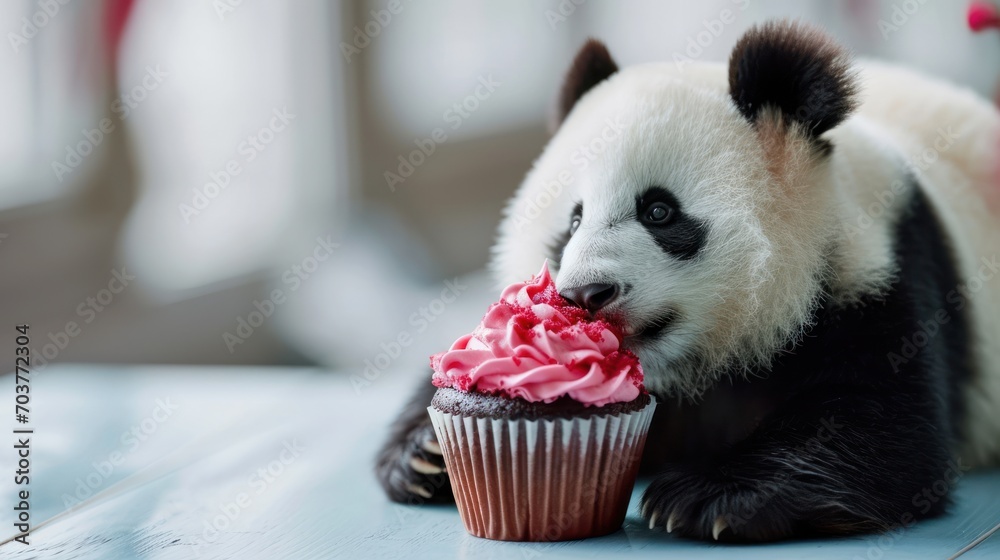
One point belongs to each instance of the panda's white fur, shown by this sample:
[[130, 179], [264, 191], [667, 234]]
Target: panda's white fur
[[775, 209]]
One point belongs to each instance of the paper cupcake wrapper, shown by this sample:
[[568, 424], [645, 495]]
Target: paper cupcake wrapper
[[542, 480]]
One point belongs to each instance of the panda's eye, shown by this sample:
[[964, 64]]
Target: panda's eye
[[575, 218], [659, 213]]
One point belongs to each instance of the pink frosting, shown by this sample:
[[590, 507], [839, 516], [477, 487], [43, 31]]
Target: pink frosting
[[533, 345]]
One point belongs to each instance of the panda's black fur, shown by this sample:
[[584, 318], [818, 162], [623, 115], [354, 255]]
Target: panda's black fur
[[844, 430]]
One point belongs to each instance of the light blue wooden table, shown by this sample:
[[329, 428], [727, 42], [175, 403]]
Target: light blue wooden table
[[185, 462]]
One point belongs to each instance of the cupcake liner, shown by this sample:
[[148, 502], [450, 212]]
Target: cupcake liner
[[542, 480]]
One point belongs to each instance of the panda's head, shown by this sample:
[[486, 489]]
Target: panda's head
[[691, 205]]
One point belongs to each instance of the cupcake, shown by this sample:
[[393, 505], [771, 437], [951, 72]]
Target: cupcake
[[541, 417]]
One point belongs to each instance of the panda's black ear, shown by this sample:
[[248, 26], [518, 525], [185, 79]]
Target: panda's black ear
[[592, 65], [796, 69]]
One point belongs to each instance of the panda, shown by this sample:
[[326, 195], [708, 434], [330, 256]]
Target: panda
[[804, 251]]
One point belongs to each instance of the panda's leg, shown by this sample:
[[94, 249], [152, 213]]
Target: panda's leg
[[410, 466], [835, 460]]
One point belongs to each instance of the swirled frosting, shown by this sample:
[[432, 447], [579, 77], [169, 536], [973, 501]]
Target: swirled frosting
[[534, 345]]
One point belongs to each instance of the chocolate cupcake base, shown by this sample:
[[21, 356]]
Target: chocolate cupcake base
[[542, 479]]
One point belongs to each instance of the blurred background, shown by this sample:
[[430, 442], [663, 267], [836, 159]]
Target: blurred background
[[307, 182]]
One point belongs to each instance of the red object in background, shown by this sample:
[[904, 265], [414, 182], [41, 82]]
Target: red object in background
[[983, 15], [116, 16]]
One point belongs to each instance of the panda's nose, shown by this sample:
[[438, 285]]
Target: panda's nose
[[591, 297]]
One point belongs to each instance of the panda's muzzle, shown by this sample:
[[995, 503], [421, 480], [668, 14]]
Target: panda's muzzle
[[592, 297], [597, 297]]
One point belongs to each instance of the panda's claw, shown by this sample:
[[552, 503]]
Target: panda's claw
[[719, 526], [424, 466], [653, 519], [673, 521], [431, 446], [419, 491]]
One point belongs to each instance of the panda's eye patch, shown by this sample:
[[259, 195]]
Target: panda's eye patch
[[679, 234], [658, 213], [575, 218]]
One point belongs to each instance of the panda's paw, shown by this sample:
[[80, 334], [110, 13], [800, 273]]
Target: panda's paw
[[412, 469], [709, 504]]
